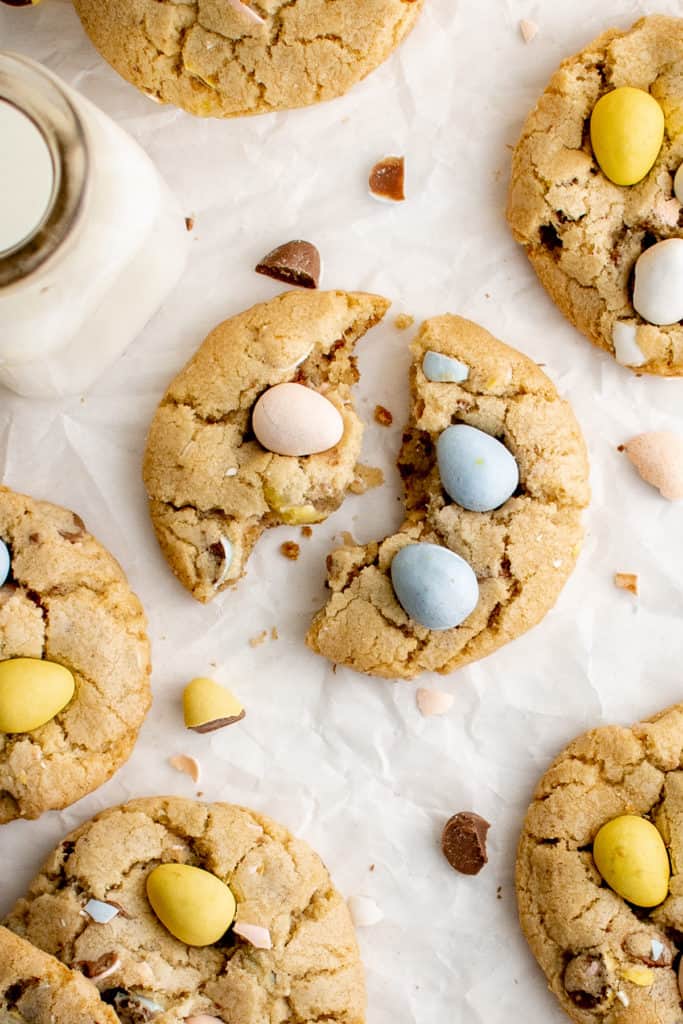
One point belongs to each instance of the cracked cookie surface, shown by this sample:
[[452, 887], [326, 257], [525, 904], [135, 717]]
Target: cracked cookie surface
[[207, 477], [604, 960], [215, 60], [68, 600], [312, 973], [37, 989], [582, 233], [522, 553]]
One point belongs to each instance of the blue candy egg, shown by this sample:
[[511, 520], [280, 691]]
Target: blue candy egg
[[4, 562], [434, 586], [441, 369], [477, 471]]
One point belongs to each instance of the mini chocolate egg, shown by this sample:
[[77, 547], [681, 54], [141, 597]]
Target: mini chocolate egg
[[433, 585], [290, 419], [658, 283], [627, 131], [477, 471], [441, 369], [5, 562]]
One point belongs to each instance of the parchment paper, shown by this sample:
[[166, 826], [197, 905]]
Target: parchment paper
[[347, 762]]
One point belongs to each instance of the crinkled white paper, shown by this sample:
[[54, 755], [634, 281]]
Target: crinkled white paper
[[348, 762]]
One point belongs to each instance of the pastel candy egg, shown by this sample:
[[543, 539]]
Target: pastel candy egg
[[194, 905], [658, 284], [433, 585], [290, 419], [32, 692], [631, 856], [627, 131], [4, 562], [477, 471], [441, 369]]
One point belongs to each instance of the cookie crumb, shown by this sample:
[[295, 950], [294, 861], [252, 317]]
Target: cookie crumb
[[188, 765], [260, 638], [366, 478], [387, 179], [383, 416], [290, 549], [306, 531], [627, 581], [295, 262], [499, 892], [529, 30], [274, 635], [189, 223], [403, 321]]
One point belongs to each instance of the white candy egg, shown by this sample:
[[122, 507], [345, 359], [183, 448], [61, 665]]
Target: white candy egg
[[658, 288], [290, 419]]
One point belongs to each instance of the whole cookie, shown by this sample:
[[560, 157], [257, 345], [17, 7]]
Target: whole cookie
[[521, 552], [212, 487], [37, 988], [604, 959], [312, 971], [67, 601], [225, 58], [583, 233]]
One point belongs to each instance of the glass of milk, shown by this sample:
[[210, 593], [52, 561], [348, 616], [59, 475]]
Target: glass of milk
[[91, 238]]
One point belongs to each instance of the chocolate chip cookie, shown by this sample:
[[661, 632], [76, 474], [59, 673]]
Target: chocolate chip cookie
[[212, 487], [605, 959], [67, 601], [37, 988], [225, 58], [582, 232], [304, 967], [521, 552]]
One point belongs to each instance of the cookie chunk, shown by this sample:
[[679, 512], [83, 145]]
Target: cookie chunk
[[225, 58], [213, 488], [521, 552], [605, 959], [66, 600], [310, 972], [37, 988], [583, 233]]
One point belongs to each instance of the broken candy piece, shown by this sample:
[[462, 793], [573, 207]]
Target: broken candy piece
[[529, 29], [433, 702], [464, 842], [257, 936], [101, 912], [294, 262], [658, 457], [208, 706], [188, 765], [364, 911], [627, 581], [387, 179], [243, 8]]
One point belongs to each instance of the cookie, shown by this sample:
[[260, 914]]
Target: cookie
[[582, 232], [226, 58], [37, 988], [67, 601], [605, 959], [212, 487], [521, 552], [311, 972]]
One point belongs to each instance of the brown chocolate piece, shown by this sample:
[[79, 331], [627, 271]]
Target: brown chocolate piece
[[294, 262], [218, 723], [464, 842], [20, 3], [586, 980], [388, 177], [77, 532]]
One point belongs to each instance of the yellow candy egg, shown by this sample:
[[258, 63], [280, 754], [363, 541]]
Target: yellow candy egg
[[627, 131], [208, 706], [32, 692], [631, 856], [194, 905]]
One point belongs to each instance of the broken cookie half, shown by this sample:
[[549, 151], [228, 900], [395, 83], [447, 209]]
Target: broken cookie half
[[216, 474], [496, 477]]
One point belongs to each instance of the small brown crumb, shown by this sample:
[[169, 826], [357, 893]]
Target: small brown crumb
[[290, 549], [387, 179], [403, 321], [259, 639], [464, 842], [627, 581], [499, 892], [366, 478], [383, 416], [372, 867], [189, 223], [294, 262], [306, 531], [529, 30], [348, 539], [274, 635], [621, 447]]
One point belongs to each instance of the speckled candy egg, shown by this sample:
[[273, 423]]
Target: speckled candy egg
[[290, 419], [658, 285], [434, 586], [477, 471]]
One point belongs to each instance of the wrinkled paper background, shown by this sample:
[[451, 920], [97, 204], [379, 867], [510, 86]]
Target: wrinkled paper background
[[347, 762]]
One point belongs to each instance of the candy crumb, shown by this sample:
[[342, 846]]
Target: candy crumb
[[364, 911], [100, 912], [623, 998], [306, 531], [189, 223], [657, 949], [243, 8], [383, 416], [260, 638], [290, 549], [257, 936], [274, 635], [403, 321], [529, 29], [433, 702], [189, 765], [366, 478], [387, 179], [627, 581]]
